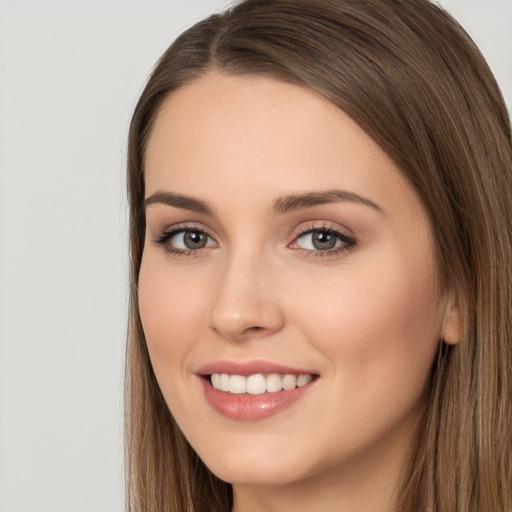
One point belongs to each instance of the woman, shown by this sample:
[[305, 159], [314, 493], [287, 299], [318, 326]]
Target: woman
[[320, 198]]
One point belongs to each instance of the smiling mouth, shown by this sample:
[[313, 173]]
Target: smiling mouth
[[258, 384], [255, 390]]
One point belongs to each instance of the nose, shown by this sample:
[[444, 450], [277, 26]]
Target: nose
[[245, 301]]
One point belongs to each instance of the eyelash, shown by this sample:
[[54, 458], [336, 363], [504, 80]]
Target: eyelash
[[348, 242], [164, 239]]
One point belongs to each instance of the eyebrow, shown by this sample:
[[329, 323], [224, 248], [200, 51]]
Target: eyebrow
[[281, 205], [310, 199], [178, 201]]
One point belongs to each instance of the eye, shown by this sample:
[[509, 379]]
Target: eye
[[185, 240], [188, 239], [323, 240]]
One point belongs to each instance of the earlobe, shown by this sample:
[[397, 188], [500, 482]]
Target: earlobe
[[452, 325]]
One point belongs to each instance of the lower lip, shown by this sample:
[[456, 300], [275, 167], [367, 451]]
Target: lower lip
[[247, 407]]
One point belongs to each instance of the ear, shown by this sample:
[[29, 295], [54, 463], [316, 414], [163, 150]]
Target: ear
[[452, 322]]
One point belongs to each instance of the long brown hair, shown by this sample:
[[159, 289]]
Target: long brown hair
[[410, 76]]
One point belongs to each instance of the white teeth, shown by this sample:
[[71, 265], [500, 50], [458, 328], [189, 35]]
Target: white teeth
[[216, 380], [237, 384], [258, 384], [302, 380], [289, 382], [224, 382], [274, 383]]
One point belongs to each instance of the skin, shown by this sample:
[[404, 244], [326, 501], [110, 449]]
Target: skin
[[366, 318]]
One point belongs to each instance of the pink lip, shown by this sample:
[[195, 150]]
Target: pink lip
[[247, 407], [250, 368]]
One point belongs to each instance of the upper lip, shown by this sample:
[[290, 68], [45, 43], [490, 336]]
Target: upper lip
[[246, 368]]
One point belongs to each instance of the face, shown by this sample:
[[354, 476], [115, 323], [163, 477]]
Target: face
[[287, 260]]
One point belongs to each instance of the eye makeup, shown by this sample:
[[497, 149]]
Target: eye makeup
[[322, 240]]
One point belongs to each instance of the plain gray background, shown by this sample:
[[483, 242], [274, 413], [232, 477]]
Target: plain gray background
[[70, 73]]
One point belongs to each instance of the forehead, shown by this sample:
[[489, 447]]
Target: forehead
[[221, 112], [259, 134]]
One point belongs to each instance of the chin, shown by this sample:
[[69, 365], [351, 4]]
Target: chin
[[254, 465], [257, 474]]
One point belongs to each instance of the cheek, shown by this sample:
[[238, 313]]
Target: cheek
[[379, 324], [169, 310], [379, 333]]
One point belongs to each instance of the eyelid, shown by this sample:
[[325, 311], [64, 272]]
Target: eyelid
[[323, 226], [343, 234], [185, 226], [165, 235]]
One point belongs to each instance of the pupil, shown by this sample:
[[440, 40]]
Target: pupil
[[194, 239], [323, 240]]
